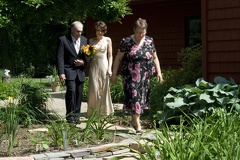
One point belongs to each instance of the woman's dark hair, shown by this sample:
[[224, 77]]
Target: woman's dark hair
[[102, 25]]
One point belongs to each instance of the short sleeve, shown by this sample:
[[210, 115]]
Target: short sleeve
[[154, 48], [123, 47]]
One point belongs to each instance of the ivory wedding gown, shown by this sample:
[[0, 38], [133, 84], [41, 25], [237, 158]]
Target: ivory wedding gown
[[99, 97]]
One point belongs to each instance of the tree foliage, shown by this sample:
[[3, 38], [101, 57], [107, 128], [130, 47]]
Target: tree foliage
[[15, 12], [33, 26]]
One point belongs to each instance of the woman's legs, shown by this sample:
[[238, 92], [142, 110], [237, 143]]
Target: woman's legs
[[136, 121]]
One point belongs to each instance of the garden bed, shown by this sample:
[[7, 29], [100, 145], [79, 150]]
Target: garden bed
[[24, 145]]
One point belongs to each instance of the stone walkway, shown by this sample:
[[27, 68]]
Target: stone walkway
[[57, 104], [103, 152]]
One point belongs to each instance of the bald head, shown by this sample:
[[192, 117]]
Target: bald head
[[76, 29]]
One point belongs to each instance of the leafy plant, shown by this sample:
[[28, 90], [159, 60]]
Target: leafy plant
[[55, 132], [213, 137], [97, 125], [53, 79], [201, 99], [190, 71], [10, 121], [33, 103], [9, 89], [172, 78], [117, 94], [41, 142], [116, 90], [191, 60], [85, 90], [101, 125]]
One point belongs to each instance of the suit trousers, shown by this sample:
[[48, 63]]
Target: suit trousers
[[73, 99]]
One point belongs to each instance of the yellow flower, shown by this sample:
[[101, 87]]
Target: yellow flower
[[10, 98], [89, 50]]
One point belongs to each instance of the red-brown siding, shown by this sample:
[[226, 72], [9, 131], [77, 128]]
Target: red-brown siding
[[166, 26], [221, 39]]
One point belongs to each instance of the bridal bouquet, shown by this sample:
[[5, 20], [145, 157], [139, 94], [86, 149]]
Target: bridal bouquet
[[89, 50]]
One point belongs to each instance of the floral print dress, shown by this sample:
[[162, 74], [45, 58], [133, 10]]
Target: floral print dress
[[136, 70]]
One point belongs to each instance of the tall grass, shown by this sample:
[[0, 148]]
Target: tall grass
[[97, 126], [215, 137], [10, 120]]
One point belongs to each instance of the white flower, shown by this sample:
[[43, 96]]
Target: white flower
[[52, 80]]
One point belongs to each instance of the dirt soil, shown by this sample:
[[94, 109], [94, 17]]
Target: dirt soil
[[24, 146]]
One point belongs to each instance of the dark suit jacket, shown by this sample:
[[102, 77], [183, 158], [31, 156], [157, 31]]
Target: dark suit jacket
[[66, 54]]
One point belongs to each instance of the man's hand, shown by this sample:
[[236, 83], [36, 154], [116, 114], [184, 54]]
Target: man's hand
[[62, 77], [79, 62]]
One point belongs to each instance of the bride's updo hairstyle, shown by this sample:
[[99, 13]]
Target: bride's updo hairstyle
[[102, 25]]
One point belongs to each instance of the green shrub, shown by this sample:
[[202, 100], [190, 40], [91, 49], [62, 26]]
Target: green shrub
[[189, 72], [191, 60], [9, 90], [117, 94], [116, 90], [33, 100], [158, 91], [85, 90]]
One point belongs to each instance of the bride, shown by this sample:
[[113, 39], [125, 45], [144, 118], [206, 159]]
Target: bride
[[100, 70]]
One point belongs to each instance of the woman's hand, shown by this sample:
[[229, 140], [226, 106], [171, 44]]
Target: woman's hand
[[160, 78], [113, 79], [109, 74]]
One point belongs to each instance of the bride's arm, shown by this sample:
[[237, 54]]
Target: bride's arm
[[109, 55]]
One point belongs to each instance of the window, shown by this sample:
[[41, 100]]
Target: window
[[193, 32]]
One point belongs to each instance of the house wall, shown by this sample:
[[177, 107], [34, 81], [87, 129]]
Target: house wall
[[166, 25], [221, 39]]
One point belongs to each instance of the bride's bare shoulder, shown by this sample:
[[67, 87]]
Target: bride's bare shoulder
[[108, 39]]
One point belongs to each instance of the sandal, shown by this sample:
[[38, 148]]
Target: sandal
[[132, 125], [139, 132]]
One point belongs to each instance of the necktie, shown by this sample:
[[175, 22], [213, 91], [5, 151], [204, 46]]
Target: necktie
[[77, 46]]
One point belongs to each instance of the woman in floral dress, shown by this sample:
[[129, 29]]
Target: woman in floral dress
[[139, 62]]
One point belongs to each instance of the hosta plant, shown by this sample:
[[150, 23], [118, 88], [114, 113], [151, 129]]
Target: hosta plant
[[200, 99]]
